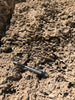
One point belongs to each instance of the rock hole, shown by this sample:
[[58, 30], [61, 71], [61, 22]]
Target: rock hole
[[64, 67], [9, 90], [29, 77], [65, 94], [8, 50], [70, 85], [72, 25], [19, 54]]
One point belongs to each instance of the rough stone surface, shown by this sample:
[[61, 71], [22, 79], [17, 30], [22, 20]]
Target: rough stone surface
[[41, 35], [6, 10]]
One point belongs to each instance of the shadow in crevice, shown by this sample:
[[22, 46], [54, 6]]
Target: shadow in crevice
[[1, 43], [8, 89]]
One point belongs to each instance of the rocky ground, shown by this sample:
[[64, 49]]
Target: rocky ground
[[39, 34]]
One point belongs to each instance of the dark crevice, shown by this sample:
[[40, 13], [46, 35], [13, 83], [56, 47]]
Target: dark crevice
[[1, 43], [19, 54], [8, 90], [27, 61], [65, 94], [70, 85], [8, 50]]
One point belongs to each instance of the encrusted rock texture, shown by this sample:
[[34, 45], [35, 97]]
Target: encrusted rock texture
[[6, 10], [41, 35]]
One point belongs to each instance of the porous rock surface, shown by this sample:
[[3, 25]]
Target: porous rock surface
[[6, 10], [41, 35]]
